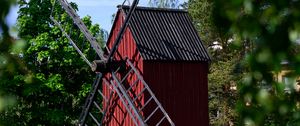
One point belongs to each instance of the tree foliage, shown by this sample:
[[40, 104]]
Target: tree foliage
[[201, 12], [57, 80], [224, 75], [273, 28], [164, 3], [222, 92], [263, 34]]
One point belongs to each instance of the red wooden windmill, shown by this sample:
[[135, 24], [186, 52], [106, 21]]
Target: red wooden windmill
[[158, 46]]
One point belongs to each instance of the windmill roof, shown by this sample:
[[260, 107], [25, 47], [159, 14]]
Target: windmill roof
[[166, 34]]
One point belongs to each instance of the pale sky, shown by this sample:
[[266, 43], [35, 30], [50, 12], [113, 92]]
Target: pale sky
[[101, 11]]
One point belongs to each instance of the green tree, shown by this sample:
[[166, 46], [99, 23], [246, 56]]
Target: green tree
[[222, 92], [164, 3], [224, 75], [58, 80], [273, 28], [201, 11]]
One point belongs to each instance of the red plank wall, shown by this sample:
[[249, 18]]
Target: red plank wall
[[127, 48], [181, 87]]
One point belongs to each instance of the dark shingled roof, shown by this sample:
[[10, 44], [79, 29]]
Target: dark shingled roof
[[166, 34]]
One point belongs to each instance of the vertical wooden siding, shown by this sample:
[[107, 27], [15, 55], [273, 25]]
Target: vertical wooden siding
[[118, 115], [182, 89]]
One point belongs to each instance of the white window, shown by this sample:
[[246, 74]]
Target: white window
[[289, 83]]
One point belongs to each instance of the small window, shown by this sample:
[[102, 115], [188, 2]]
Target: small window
[[289, 83], [297, 86]]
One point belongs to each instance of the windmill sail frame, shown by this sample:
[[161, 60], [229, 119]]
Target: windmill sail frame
[[115, 83]]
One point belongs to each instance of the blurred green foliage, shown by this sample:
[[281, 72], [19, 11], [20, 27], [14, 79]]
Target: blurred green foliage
[[8, 61], [43, 79], [272, 27], [256, 37]]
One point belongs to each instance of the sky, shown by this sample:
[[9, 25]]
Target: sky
[[101, 11]]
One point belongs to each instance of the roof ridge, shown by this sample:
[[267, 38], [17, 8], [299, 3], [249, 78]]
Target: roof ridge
[[152, 8]]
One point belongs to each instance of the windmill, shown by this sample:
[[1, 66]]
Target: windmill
[[97, 112]]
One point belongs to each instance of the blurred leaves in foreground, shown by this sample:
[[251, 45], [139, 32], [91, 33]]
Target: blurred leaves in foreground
[[8, 54], [273, 28]]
